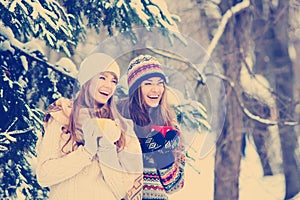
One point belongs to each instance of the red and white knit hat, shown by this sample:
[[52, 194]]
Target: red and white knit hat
[[141, 68]]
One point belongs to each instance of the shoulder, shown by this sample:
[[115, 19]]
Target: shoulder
[[59, 111], [59, 117]]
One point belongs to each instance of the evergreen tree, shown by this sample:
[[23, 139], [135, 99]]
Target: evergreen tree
[[28, 82]]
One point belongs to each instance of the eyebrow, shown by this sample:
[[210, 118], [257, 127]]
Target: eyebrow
[[160, 80], [105, 75]]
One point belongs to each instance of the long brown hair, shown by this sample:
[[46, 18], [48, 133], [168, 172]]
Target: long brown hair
[[162, 115], [139, 111], [84, 100]]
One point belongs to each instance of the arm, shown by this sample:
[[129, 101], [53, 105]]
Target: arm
[[171, 173], [122, 170], [131, 160], [52, 166], [172, 177]]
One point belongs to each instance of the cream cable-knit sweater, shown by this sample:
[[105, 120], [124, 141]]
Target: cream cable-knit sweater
[[76, 176]]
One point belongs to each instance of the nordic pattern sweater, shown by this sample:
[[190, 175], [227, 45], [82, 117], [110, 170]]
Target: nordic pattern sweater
[[159, 183]]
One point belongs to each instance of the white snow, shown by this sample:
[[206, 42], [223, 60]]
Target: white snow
[[138, 7], [24, 62], [252, 183], [5, 46], [67, 65]]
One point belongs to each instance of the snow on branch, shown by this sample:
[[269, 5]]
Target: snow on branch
[[228, 14], [44, 62], [245, 110], [166, 54], [8, 133]]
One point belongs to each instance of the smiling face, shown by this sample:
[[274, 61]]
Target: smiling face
[[152, 91], [102, 87]]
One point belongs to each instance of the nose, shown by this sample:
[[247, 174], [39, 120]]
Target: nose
[[107, 83], [154, 88]]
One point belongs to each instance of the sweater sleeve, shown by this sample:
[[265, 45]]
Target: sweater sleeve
[[172, 177], [127, 182], [52, 166]]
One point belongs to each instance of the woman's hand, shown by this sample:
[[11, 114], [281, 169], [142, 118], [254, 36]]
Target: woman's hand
[[158, 148], [95, 128], [109, 128], [90, 136]]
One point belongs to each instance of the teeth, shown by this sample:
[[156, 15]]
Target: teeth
[[153, 96], [104, 92]]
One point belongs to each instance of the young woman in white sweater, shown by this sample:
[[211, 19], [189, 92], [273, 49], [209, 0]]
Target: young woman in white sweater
[[88, 151]]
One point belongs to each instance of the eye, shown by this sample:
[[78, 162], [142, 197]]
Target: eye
[[115, 81], [102, 77], [147, 83], [161, 83]]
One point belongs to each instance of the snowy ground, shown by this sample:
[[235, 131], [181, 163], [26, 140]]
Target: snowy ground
[[252, 184]]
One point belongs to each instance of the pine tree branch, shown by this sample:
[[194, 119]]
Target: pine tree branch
[[16, 131], [8, 135], [43, 62]]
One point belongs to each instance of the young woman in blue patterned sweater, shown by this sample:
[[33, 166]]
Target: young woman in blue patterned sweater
[[156, 126]]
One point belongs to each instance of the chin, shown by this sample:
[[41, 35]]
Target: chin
[[102, 101], [153, 105]]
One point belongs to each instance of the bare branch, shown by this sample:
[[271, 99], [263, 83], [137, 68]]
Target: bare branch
[[180, 59], [229, 13], [245, 110]]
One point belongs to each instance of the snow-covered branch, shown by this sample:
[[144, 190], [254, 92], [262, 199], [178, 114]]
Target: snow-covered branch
[[245, 110], [166, 54], [47, 64], [16, 132], [228, 14], [7, 134]]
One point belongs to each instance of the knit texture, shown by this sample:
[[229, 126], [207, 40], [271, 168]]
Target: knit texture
[[141, 68], [158, 183], [95, 64], [76, 176]]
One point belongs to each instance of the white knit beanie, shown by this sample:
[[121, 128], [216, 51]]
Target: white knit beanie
[[95, 64]]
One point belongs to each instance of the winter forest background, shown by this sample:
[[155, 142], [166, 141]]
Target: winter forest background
[[235, 65]]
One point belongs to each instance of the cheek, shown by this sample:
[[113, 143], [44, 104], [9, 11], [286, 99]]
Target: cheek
[[144, 91], [113, 89]]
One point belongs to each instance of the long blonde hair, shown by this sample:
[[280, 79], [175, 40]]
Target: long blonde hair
[[108, 110]]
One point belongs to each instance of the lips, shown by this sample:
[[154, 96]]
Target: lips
[[104, 92], [153, 96]]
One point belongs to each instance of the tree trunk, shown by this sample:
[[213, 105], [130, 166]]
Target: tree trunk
[[228, 153], [275, 42], [228, 147]]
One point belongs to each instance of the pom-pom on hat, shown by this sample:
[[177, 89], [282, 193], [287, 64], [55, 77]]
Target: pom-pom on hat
[[95, 64], [141, 68]]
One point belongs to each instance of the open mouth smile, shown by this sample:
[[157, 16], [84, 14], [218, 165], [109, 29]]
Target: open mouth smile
[[153, 96], [105, 93]]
